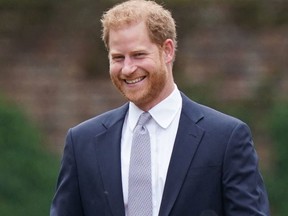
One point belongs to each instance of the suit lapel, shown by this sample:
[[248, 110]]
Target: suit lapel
[[187, 140], [108, 146]]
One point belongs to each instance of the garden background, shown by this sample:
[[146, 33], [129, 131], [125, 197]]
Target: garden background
[[232, 56]]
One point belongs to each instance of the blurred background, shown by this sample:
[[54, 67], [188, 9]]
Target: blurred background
[[232, 56]]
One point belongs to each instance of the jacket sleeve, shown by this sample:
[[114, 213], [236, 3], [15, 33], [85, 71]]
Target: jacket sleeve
[[244, 190], [67, 200]]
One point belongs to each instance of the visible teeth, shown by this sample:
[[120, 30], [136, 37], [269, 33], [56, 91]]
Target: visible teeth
[[134, 81]]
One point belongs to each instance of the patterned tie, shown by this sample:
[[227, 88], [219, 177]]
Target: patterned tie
[[139, 188]]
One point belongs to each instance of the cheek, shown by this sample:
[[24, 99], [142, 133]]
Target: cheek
[[150, 66], [113, 69]]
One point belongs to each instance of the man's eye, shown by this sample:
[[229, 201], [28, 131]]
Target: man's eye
[[138, 55], [118, 58]]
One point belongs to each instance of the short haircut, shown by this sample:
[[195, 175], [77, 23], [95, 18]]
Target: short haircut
[[160, 24]]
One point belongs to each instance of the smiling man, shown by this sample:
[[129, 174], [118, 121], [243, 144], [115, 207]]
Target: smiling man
[[139, 68], [184, 159]]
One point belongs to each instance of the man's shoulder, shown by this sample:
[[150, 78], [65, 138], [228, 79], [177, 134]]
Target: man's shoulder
[[102, 120], [208, 114]]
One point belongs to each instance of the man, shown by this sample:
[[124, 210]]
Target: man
[[201, 162]]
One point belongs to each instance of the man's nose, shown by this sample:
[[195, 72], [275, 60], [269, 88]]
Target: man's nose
[[128, 66]]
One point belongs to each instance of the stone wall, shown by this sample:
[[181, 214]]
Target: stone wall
[[43, 71], [47, 82]]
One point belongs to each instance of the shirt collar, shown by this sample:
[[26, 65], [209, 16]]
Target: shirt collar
[[163, 113]]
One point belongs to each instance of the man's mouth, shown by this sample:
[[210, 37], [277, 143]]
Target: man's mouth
[[135, 80]]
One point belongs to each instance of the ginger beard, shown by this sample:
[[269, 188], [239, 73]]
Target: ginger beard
[[154, 84]]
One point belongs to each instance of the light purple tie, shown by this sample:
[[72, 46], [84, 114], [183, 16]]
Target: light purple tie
[[139, 187]]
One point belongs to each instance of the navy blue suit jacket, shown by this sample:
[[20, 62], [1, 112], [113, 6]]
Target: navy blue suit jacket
[[213, 168]]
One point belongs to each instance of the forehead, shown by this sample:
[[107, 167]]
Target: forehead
[[129, 36]]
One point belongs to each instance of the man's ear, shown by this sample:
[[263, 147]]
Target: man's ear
[[169, 50]]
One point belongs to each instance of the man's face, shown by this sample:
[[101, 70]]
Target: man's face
[[137, 66]]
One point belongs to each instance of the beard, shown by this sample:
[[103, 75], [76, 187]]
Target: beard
[[150, 92]]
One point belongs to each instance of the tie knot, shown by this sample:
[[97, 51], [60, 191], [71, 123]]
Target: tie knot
[[144, 117]]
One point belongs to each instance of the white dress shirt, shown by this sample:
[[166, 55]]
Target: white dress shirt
[[162, 129]]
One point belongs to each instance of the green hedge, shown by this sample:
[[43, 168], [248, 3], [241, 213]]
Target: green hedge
[[278, 180], [28, 172]]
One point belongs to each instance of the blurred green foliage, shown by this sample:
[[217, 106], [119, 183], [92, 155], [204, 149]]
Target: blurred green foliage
[[278, 178], [28, 172]]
